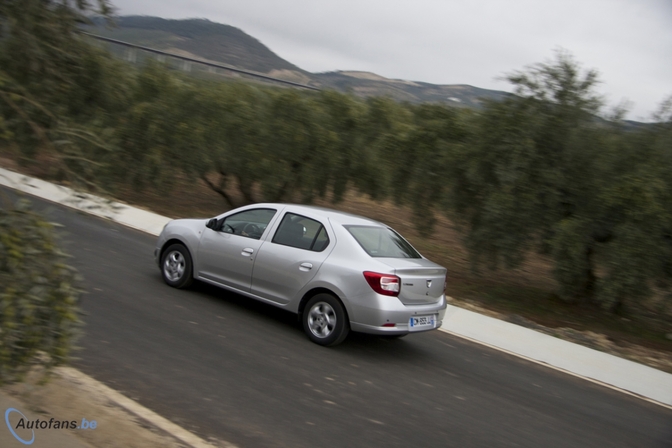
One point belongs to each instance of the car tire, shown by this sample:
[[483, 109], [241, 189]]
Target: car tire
[[176, 266], [325, 320]]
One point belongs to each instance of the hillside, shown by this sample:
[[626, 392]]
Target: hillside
[[203, 39], [200, 38], [369, 84]]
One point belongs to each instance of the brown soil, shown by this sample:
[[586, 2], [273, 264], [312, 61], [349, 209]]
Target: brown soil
[[61, 396]]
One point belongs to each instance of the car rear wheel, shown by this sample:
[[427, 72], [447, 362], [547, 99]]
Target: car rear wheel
[[176, 266], [325, 320]]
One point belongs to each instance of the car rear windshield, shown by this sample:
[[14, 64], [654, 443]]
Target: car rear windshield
[[382, 242]]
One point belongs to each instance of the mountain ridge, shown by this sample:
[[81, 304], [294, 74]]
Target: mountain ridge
[[216, 42]]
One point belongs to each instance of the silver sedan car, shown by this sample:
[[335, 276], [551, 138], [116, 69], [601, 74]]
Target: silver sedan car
[[337, 271]]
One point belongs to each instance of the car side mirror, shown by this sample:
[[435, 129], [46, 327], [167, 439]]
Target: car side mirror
[[212, 224]]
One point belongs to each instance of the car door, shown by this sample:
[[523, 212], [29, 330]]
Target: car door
[[226, 253], [291, 259]]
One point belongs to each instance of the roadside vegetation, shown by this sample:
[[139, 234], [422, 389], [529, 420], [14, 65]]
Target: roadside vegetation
[[541, 205], [39, 315], [41, 94]]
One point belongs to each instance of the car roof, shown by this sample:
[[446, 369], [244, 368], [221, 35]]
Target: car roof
[[340, 217]]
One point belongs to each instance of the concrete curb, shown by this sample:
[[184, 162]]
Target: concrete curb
[[637, 379], [93, 386], [133, 217]]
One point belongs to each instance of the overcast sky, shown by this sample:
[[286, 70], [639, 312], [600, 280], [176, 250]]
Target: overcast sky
[[457, 41]]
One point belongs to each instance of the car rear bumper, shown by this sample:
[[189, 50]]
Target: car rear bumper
[[390, 331], [390, 317]]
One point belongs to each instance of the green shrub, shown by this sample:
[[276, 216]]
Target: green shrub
[[39, 314]]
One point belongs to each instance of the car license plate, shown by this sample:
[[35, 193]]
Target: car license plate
[[422, 322]]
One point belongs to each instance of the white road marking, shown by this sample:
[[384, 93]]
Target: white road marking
[[153, 223], [559, 369], [95, 387]]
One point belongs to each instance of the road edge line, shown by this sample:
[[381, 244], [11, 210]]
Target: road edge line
[[559, 369], [73, 375], [25, 178]]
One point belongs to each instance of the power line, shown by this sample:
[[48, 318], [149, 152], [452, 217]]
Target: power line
[[198, 61]]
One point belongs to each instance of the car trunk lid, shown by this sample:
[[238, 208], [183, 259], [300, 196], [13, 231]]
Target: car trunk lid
[[422, 281]]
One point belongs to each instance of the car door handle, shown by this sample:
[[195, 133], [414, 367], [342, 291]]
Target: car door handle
[[305, 266], [247, 252]]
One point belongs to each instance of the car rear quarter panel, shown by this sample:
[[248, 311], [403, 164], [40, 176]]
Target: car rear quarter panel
[[343, 273]]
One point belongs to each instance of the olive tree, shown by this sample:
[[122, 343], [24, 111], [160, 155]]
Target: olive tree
[[545, 173], [45, 74], [39, 315]]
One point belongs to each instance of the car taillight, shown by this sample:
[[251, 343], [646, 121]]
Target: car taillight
[[385, 284]]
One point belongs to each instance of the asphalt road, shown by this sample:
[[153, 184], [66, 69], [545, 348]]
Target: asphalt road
[[228, 368]]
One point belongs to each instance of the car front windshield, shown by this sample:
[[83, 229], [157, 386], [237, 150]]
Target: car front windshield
[[382, 242]]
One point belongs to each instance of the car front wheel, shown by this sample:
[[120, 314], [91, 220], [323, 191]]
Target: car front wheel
[[176, 266], [325, 320]]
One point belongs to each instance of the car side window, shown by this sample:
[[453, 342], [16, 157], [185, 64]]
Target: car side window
[[302, 233], [250, 223]]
